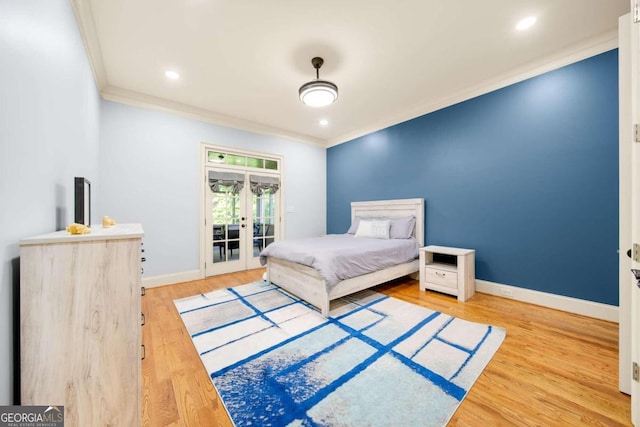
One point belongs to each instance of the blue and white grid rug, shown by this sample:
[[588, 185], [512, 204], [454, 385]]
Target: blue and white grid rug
[[376, 361]]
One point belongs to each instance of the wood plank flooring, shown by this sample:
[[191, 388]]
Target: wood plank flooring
[[553, 369]]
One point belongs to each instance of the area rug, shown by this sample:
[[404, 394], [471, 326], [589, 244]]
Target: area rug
[[376, 361]]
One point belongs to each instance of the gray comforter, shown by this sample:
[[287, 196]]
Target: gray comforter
[[338, 257]]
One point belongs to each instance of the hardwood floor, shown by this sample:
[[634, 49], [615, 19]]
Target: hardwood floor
[[553, 369]]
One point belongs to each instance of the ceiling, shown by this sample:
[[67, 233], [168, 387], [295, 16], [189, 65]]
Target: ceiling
[[241, 62]]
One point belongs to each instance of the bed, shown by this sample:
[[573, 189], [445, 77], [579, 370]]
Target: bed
[[319, 290]]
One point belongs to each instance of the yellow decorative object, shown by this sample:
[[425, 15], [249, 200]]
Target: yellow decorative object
[[78, 229], [108, 222]]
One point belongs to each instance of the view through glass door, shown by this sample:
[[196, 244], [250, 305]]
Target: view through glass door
[[264, 204], [226, 225], [242, 216]]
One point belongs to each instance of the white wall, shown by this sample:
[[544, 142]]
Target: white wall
[[150, 171], [143, 164], [49, 132]]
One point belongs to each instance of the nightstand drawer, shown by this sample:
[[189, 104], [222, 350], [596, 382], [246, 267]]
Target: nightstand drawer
[[441, 277]]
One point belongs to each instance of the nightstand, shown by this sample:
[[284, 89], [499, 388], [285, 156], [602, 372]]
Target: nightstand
[[448, 270]]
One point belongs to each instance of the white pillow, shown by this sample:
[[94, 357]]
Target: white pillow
[[400, 228], [376, 229]]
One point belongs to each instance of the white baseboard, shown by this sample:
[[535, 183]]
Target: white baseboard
[[170, 279], [572, 305]]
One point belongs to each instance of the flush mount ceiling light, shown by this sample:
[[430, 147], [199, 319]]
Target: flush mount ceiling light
[[318, 93]]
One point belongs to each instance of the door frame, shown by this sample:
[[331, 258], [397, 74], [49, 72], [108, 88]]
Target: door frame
[[625, 155], [203, 186], [634, 211], [629, 178]]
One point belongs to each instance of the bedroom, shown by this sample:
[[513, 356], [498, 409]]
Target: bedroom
[[57, 126]]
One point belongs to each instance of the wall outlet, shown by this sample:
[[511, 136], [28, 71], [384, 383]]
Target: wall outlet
[[506, 292]]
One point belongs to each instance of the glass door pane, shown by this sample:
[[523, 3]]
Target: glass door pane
[[265, 215], [225, 217], [225, 232], [263, 221]]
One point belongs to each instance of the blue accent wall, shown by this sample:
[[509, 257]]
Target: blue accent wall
[[526, 175]]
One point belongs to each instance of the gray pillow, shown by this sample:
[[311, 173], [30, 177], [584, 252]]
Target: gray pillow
[[401, 228]]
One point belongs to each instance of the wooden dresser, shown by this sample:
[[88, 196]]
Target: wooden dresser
[[80, 324]]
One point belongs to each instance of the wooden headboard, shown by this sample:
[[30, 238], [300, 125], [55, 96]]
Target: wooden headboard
[[393, 209]]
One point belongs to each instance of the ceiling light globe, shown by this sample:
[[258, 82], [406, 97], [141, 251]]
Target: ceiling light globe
[[318, 93]]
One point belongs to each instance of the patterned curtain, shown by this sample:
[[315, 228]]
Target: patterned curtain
[[259, 184], [221, 181]]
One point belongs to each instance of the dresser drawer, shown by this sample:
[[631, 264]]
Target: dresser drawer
[[440, 277]]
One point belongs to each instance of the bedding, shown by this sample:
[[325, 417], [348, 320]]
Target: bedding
[[338, 257]]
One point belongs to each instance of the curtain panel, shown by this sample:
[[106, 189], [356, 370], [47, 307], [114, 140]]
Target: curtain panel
[[259, 184], [218, 181]]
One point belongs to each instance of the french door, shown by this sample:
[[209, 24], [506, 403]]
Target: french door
[[242, 216]]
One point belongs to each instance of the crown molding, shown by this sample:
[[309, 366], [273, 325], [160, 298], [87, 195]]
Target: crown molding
[[84, 18], [560, 59], [136, 99], [86, 24]]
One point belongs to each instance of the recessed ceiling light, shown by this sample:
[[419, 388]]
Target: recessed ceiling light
[[173, 75], [324, 122], [525, 23]]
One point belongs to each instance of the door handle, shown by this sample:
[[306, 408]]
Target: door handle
[[636, 274]]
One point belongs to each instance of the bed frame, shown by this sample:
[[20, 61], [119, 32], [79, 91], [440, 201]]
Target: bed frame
[[307, 284]]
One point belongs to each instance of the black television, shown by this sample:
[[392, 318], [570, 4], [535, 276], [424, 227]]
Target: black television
[[82, 205]]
